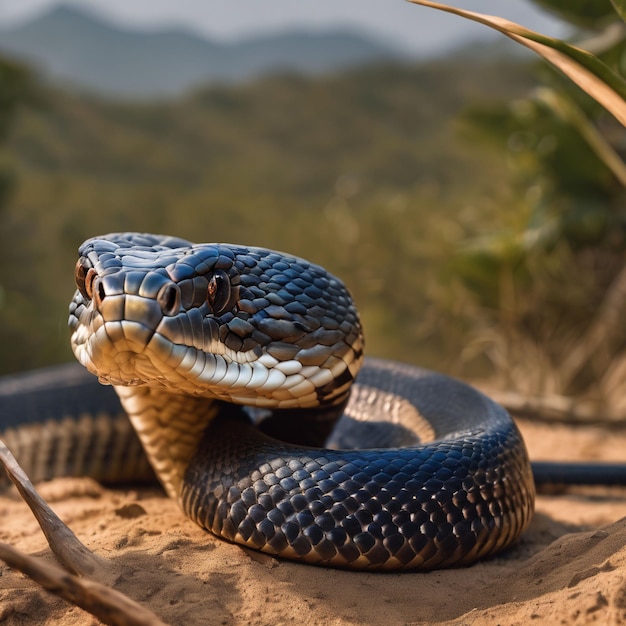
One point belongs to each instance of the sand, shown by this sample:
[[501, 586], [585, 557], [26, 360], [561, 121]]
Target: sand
[[568, 568]]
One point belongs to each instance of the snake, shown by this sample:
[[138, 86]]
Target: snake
[[242, 371]]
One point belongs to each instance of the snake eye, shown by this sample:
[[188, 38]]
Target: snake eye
[[218, 292], [84, 275]]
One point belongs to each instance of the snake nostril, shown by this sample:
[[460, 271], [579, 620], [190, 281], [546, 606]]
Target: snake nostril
[[169, 299], [96, 290]]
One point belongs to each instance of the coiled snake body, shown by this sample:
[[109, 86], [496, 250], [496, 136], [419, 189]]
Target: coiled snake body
[[219, 351]]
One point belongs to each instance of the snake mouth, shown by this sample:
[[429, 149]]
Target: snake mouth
[[115, 364], [112, 335], [121, 352], [127, 368]]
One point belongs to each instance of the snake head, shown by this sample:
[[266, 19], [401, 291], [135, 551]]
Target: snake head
[[241, 324]]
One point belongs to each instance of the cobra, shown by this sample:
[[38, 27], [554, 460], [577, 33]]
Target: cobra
[[242, 372]]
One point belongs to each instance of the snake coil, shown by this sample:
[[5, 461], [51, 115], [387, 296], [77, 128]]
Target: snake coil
[[235, 364]]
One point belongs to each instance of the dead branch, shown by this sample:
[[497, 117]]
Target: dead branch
[[606, 326], [72, 554], [555, 408], [108, 605]]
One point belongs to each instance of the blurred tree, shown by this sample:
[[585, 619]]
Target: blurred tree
[[365, 175], [582, 13], [16, 87]]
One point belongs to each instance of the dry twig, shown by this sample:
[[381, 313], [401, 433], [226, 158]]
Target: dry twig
[[72, 554], [108, 605]]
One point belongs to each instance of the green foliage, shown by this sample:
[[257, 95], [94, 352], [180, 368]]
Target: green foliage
[[16, 88], [550, 280], [620, 8], [583, 13]]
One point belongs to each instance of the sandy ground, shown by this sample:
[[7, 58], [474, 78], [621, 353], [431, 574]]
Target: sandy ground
[[568, 568]]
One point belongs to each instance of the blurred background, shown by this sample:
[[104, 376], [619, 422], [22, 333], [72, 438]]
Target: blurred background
[[471, 198]]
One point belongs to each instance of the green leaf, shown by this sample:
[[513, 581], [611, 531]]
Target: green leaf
[[582, 13], [620, 7], [569, 112], [583, 68]]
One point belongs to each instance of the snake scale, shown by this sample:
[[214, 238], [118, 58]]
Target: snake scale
[[237, 367]]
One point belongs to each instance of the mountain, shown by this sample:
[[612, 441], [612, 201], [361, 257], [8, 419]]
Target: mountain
[[83, 50]]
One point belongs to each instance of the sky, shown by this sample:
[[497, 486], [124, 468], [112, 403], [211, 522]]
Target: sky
[[413, 28]]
